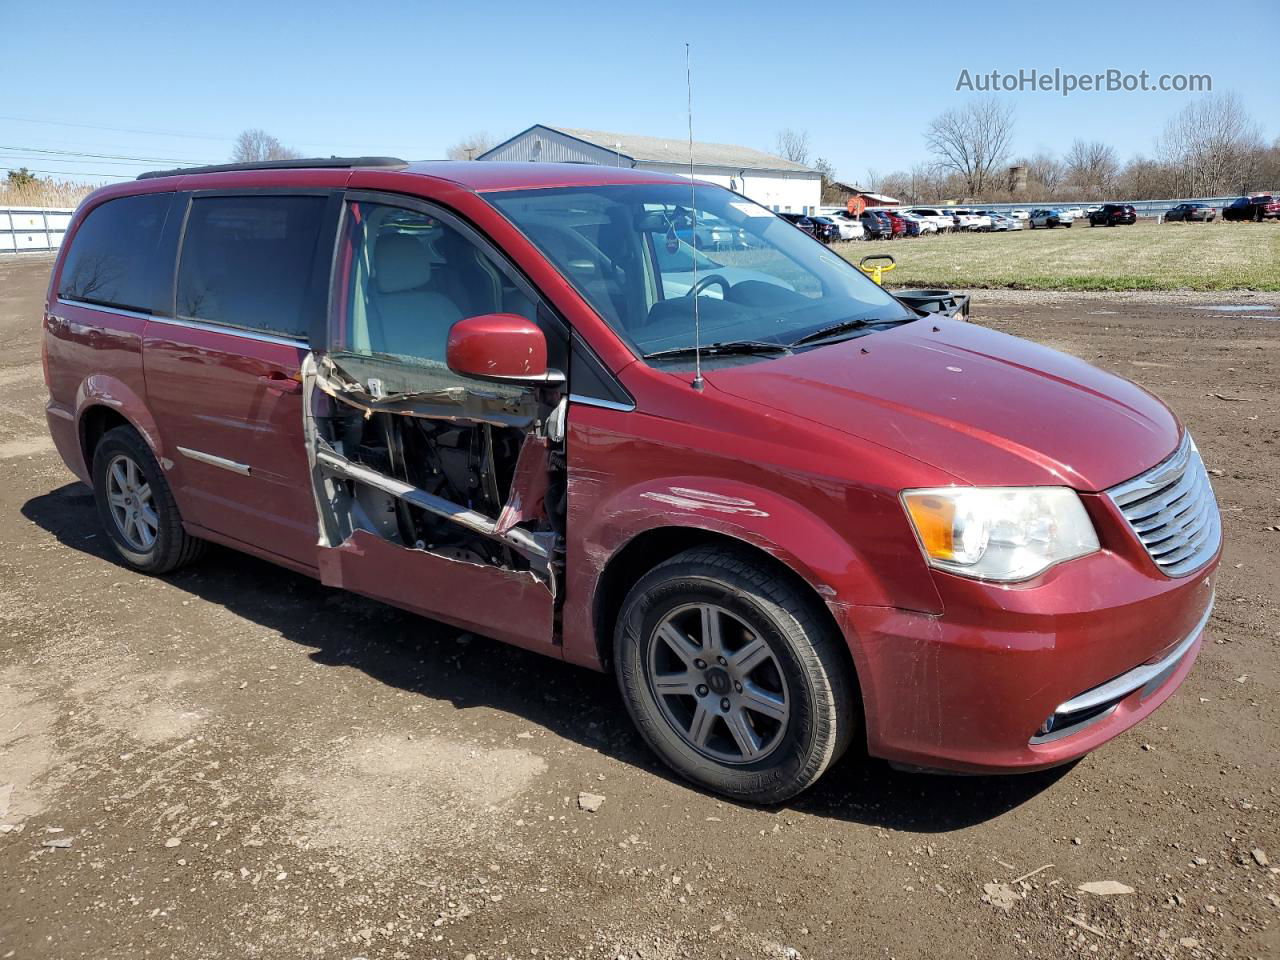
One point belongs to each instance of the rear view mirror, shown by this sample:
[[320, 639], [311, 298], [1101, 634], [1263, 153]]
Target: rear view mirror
[[502, 347]]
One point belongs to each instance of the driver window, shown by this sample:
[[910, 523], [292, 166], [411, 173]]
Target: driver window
[[404, 277], [412, 276]]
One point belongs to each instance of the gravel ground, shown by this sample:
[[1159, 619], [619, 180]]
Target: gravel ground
[[237, 762]]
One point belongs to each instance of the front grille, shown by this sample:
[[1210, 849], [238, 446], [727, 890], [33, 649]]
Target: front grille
[[1173, 511]]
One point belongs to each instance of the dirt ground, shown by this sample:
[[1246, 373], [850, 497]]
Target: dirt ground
[[226, 764]]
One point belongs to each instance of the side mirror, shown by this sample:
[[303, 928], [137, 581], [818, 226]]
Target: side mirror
[[502, 347]]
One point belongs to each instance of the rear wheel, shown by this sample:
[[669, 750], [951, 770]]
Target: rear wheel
[[732, 676], [136, 506]]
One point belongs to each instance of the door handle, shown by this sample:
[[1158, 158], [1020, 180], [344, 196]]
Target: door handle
[[280, 383]]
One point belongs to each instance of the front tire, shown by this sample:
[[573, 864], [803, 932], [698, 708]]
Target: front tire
[[136, 506], [732, 676]]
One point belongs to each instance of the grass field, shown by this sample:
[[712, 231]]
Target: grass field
[[1146, 256]]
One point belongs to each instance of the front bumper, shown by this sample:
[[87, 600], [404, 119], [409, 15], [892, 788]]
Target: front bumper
[[1096, 644]]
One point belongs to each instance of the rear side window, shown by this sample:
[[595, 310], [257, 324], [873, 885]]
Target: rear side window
[[114, 258], [247, 262]]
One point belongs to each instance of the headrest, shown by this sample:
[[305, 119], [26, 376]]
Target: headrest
[[400, 263]]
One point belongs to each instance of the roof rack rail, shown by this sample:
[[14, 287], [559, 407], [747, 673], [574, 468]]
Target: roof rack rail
[[305, 163]]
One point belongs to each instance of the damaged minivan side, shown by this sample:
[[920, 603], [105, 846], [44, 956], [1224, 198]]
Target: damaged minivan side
[[641, 425], [432, 465]]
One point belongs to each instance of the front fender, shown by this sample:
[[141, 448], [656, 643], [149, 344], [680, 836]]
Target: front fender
[[783, 528], [836, 569]]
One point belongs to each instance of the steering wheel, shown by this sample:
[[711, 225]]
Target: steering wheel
[[708, 280]]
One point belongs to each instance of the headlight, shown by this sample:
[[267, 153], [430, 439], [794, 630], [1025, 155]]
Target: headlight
[[999, 533]]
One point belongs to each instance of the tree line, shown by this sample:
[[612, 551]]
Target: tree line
[[1211, 147]]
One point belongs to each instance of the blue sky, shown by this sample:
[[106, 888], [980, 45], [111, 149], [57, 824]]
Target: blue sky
[[408, 79]]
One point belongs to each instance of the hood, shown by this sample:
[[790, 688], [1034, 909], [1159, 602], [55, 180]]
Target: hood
[[985, 407]]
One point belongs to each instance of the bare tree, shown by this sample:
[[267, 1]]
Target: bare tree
[[830, 193], [256, 144], [1144, 179], [1090, 167], [1215, 145], [470, 147], [927, 182], [793, 145], [1044, 173], [972, 140]]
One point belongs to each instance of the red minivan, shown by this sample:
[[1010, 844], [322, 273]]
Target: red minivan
[[788, 510]]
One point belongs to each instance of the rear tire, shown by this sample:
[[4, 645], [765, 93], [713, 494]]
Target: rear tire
[[136, 506], [732, 676]]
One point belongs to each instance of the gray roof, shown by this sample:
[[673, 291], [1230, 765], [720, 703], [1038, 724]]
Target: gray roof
[[664, 150]]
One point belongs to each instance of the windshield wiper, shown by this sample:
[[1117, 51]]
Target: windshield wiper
[[722, 349], [844, 326]]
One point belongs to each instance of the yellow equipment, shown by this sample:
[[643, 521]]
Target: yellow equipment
[[877, 271]]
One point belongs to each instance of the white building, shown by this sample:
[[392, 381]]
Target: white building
[[781, 185]]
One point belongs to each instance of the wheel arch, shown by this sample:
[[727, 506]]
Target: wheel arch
[[95, 421], [104, 402], [651, 547]]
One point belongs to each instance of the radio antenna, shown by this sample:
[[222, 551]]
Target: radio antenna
[[693, 206]]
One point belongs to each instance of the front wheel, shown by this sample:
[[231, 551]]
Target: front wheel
[[732, 675], [136, 506]]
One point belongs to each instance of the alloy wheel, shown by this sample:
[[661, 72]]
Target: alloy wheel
[[718, 684], [129, 497]]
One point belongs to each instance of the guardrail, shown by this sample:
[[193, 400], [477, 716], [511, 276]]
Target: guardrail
[[32, 229]]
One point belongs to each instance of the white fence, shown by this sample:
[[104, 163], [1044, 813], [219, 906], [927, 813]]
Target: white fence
[[32, 229]]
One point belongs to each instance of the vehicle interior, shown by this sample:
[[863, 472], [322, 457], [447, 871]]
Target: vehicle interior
[[406, 448], [622, 248]]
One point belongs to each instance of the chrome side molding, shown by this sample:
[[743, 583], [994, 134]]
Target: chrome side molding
[[241, 468]]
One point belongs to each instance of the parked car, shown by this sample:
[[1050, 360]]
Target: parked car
[[943, 222], [711, 233], [1259, 207], [898, 226], [1091, 209], [877, 225], [999, 222], [910, 225], [1020, 215], [953, 548], [1187, 212], [850, 226], [1113, 215], [917, 226], [1046, 217], [802, 221], [973, 220], [1074, 213], [826, 229]]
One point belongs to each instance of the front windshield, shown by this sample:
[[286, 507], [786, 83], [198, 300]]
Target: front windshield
[[639, 257]]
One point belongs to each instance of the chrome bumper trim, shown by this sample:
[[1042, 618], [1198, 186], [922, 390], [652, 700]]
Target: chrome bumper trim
[[1137, 678]]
